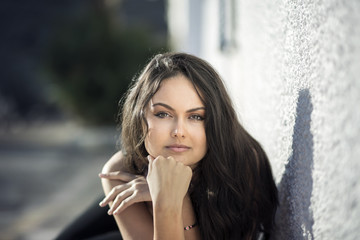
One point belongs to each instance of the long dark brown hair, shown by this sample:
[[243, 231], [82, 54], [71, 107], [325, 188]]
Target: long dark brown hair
[[232, 189]]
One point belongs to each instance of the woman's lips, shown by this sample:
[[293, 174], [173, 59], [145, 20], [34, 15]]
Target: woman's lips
[[178, 148]]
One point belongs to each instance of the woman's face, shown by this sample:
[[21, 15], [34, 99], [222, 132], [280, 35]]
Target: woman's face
[[175, 117]]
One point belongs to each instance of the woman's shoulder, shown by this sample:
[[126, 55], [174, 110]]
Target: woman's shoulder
[[115, 163]]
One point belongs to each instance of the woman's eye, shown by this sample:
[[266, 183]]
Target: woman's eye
[[162, 115], [196, 117]]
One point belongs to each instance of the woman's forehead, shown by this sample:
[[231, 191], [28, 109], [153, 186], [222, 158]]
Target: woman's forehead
[[177, 90]]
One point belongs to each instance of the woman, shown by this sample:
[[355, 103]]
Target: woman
[[187, 169]]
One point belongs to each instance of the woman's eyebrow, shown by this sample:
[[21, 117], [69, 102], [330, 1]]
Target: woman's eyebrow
[[172, 109], [162, 104], [195, 109]]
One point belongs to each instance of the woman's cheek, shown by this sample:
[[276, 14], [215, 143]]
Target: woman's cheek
[[148, 140], [152, 142]]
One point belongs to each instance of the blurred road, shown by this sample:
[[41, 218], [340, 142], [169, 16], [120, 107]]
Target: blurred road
[[48, 175]]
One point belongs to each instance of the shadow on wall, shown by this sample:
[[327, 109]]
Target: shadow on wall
[[294, 218]]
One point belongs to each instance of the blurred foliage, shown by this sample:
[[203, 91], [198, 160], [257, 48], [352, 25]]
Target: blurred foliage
[[91, 62]]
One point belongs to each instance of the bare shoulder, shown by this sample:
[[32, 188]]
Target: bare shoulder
[[115, 163]]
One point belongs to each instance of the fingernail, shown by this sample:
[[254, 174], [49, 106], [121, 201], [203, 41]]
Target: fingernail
[[102, 174], [101, 204], [109, 212]]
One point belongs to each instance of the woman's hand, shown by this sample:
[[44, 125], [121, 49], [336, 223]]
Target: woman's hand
[[135, 189], [168, 181]]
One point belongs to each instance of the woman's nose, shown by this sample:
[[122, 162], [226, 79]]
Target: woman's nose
[[178, 130]]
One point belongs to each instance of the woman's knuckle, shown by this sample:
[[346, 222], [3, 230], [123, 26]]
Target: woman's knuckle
[[135, 193], [125, 203], [112, 191], [117, 198]]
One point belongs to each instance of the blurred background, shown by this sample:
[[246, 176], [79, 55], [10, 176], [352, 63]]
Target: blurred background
[[64, 67]]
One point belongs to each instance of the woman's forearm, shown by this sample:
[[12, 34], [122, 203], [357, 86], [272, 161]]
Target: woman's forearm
[[169, 182], [168, 221], [170, 218]]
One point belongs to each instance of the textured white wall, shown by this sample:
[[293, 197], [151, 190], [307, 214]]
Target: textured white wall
[[295, 81], [300, 92]]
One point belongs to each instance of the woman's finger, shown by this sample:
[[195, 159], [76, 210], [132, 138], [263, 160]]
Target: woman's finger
[[150, 159], [126, 203], [119, 198], [123, 176], [113, 193]]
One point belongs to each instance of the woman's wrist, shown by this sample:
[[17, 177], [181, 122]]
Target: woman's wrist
[[161, 205], [168, 220]]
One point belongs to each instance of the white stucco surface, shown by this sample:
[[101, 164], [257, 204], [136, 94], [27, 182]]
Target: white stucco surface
[[300, 92], [295, 80]]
